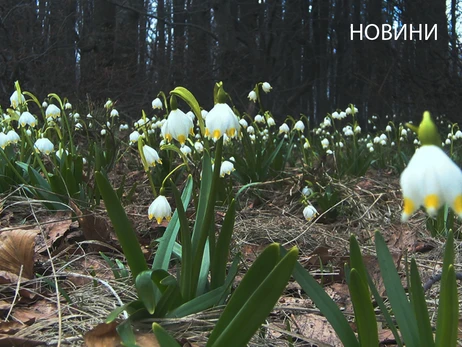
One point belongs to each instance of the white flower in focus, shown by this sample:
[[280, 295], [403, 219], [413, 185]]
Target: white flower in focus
[[342, 115], [191, 115], [114, 113], [76, 116], [44, 146], [52, 111], [270, 122], [284, 128], [27, 118], [178, 126], [252, 96], [326, 123], [134, 136], [204, 114], [151, 156], [160, 209], [226, 168], [309, 212], [266, 87], [157, 104], [221, 120], [431, 180], [78, 126], [299, 126], [13, 136], [4, 141], [17, 99]]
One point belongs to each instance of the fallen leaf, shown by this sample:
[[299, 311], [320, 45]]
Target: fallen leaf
[[16, 250], [317, 328], [54, 228], [40, 310], [10, 328], [12, 341], [105, 335]]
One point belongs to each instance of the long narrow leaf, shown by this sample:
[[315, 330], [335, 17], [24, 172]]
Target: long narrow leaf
[[164, 339], [122, 226]]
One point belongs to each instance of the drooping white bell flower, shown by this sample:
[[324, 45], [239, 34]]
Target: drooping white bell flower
[[160, 209], [4, 141], [44, 146], [284, 128], [178, 126], [252, 96], [16, 99], [52, 111], [299, 126], [157, 104], [309, 212], [266, 87], [151, 156], [220, 120], [13, 136], [431, 179], [27, 118], [226, 168]]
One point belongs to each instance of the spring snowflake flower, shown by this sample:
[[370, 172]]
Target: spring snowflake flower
[[299, 126], [243, 123], [284, 128], [326, 123], [13, 136], [357, 129], [134, 136], [68, 106], [252, 96], [325, 143], [447, 142], [204, 114], [309, 212], [160, 209], [266, 87], [17, 99], [60, 152], [307, 191], [108, 104], [103, 132], [151, 156], [178, 126], [199, 146], [157, 104], [44, 146], [431, 179], [226, 168], [335, 115], [52, 111], [250, 130], [4, 141], [458, 134], [270, 122], [388, 129], [114, 113], [221, 120], [27, 118], [185, 150], [44, 104], [259, 119]]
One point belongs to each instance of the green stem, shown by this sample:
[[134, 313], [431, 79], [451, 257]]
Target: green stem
[[12, 167]]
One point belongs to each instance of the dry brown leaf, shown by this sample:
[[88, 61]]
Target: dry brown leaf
[[105, 335], [55, 227], [10, 328], [317, 328], [42, 309], [11, 341], [16, 250]]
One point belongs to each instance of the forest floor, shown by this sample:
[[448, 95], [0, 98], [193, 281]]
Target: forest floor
[[72, 289]]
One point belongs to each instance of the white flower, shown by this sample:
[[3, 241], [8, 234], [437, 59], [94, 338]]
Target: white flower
[[306, 145], [388, 128], [13, 136], [76, 116], [67, 106], [108, 104], [226, 168], [52, 111], [151, 156], [447, 142], [284, 128], [123, 127], [299, 126], [103, 132], [178, 126], [326, 123], [17, 99], [28, 132], [348, 131], [431, 180], [44, 104], [251, 130], [335, 115], [199, 146], [259, 119], [43, 146], [185, 150], [309, 212], [266, 87], [325, 143], [329, 152], [204, 114], [221, 120], [27, 118], [60, 152], [357, 129], [458, 134], [371, 149], [114, 113], [307, 191], [160, 209], [157, 104], [78, 126], [4, 141], [134, 136], [342, 115], [252, 96], [89, 116], [270, 122], [243, 123]]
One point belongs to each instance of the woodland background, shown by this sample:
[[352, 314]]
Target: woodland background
[[129, 50]]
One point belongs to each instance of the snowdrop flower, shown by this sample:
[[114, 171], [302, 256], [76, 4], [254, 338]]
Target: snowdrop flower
[[259, 119], [309, 212], [226, 168], [431, 179], [160, 209], [103, 132], [388, 128], [16, 99], [108, 104], [4, 141], [299, 126], [284, 128], [134, 136], [270, 122], [335, 115], [325, 143], [67, 106], [27, 118], [114, 113], [447, 142], [357, 129], [43, 146], [266, 87], [157, 104], [44, 104], [151, 156], [243, 123], [221, 120], [52, 111], [404, 132], [76, 116], [199, 146], [326, 123], [13, 136], [458, 134], [185, 150], [178, 126], [252, 96], [251, 130]]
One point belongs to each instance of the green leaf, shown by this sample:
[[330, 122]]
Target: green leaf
[[401, 306], [254, 299], [326, 305], [164, 339], [189, 98], [146, 290], [364, 311], [122, 226], [420, 307], [126, 334], [130, 307], [448, 310], [198, 304], [356, 259]]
